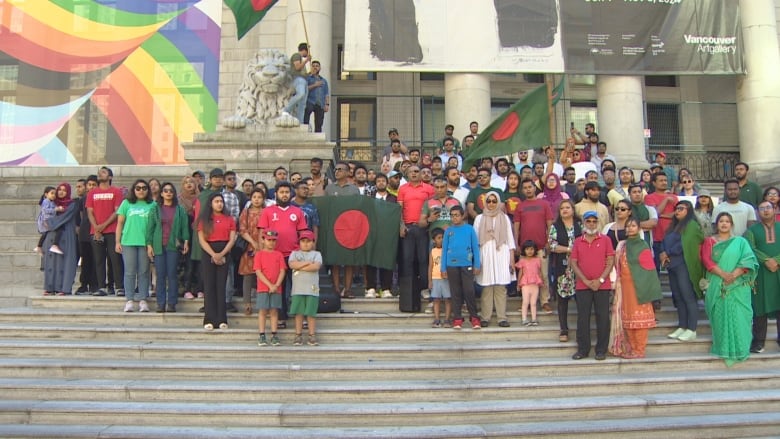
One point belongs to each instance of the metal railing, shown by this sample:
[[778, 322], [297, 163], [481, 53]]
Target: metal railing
[[706, 166]]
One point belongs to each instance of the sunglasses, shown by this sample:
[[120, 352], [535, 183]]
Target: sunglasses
[[687, 181], [621, 209], [142, 188], [167, 191], [491, 201], [483, 176], [341, 169]]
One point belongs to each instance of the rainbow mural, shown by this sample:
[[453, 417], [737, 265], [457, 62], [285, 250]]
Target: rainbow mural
[[106, 81]]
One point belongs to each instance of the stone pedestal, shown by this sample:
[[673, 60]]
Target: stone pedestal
[[258, 150]]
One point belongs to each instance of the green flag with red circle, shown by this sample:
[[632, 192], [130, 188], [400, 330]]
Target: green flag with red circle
[[358, 230], [525, 125]]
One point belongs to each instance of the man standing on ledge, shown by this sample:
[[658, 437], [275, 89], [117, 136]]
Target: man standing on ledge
[[297, 104], [318, 100]]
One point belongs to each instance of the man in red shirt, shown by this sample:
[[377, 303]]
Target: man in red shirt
[[592, 258], [414, 241], [663, 202], [532, 220], [287, 221], [102, 204]]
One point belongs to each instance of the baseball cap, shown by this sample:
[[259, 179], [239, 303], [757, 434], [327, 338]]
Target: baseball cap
[[661, 153], [704, 193], [656, 165], [590, 214], [306, 234], [392, 174], [270, 234], [216, 172], [201, 173]]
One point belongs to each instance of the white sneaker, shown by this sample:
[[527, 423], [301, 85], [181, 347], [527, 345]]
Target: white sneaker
[[688, 335], [370, 293], [285, 114], [129, 306], [676, 333], [386, 294], [56, 249], [143, 306]]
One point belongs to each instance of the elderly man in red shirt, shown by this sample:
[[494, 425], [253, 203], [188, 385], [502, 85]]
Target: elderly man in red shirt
[[591, 260], [414, 241]]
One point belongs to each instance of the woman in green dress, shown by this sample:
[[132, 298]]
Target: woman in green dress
[[731, 269]]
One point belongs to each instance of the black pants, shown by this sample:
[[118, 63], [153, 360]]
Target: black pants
[[214, 283], [319, 116], [598, 301], [462, 290], [379, 278], [88, 277], [563, 312], [760, 327], [103, 250]]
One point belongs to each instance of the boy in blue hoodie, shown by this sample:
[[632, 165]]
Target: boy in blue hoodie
[[459, 264]]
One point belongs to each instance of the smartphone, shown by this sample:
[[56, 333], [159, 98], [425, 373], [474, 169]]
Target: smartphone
[[572, 125]]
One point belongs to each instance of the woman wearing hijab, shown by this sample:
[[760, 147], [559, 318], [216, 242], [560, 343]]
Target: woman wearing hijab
[[191, 278], [497, 253], [552, 192], [60, 269]]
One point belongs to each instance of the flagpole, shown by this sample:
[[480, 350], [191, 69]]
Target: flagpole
[[550, 112], [305, 31]]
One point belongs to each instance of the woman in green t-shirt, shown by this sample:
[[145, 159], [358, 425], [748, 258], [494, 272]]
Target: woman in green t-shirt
[[132, 225]]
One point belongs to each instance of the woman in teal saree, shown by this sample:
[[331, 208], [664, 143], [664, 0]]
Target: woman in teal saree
[[731, 270]]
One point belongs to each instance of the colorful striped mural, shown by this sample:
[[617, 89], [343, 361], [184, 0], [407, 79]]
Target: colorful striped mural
[[106, 81]]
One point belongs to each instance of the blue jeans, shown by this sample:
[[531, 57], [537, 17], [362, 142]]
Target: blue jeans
[[684, 297], [297, 104], [136, 272], [167, 277]]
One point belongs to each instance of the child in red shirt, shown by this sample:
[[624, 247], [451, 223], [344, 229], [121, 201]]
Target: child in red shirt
[[270, 270]]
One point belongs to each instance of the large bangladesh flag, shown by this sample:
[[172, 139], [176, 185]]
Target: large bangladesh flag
[[248, 13], [525, 125], [358, 230]]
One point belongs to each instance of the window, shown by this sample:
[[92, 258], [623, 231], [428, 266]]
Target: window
[[661, 81], [663, 120], [432, 123], [357, 129]]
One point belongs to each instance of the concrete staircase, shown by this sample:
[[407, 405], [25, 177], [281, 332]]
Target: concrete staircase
[[78, 367]]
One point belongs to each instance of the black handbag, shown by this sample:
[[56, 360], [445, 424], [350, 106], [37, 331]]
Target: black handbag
[[329, 302]]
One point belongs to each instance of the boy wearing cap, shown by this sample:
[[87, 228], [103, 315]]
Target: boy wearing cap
[[305, 264], [270, 269]]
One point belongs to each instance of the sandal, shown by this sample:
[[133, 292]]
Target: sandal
[[346, 294], [248, 309]]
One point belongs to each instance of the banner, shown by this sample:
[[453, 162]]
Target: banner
[[358, 230], [546, 36], [671, 37]]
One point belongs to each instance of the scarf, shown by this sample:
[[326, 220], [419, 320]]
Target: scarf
[[186, 200], [493, 224], [63, 202], [692, 237], [640, 211], [554, 195]]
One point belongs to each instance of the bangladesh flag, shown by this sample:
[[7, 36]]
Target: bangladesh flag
[[525, 125], [557, 92], [358, 230], [248, 13]]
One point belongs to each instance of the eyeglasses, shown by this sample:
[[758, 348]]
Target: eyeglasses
[[772, 194], [341, 169], [766, 208], [483, 176], [491, 201], [621, 209], [142, 188], [167, 191], [591, 220], [680, 208]]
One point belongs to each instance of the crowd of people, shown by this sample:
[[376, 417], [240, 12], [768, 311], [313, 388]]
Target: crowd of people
[[520, 225]]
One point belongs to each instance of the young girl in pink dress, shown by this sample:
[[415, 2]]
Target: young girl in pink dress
[[529, 279]]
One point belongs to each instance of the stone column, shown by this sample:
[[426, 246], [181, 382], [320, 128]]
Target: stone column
[[621, 118], [758, 92], [318, 16], [466, 98]]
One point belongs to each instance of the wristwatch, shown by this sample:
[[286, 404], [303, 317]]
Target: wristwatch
[[601, 279]]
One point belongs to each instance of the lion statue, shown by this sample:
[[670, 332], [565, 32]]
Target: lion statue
[[264, 92]]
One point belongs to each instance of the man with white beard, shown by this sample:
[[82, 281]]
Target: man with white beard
[[591, 260]]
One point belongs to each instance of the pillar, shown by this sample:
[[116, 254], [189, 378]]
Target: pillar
[[318, 18], [758, 92], [466, 99], [621, 118]]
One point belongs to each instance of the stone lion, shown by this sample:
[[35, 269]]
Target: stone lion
[[264, 92]]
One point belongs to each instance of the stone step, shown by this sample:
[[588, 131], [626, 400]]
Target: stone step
[[722, 425], [349, 306], [17, 244], [361, 391], [387, 414], [234, 369], [331, 349], [338, 334], [194, 320], [26, 228]]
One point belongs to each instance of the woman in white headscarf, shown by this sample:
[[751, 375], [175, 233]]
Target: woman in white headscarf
[[497, 253]]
